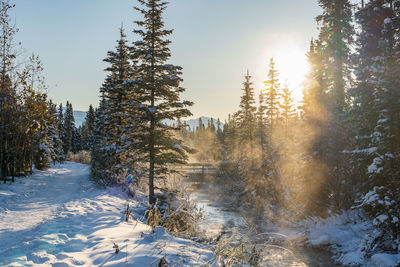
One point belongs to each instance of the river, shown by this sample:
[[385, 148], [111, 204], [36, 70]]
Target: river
[[221, 216]]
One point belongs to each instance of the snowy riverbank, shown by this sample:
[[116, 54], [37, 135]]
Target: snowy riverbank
[[61, 218], [345, 235]]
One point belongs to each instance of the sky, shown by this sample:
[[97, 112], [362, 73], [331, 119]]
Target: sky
[[215, 41]]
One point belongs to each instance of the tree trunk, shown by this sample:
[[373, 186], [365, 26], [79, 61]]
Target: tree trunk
[[13, 170], [31, 158], [152, 199], [1, 139]]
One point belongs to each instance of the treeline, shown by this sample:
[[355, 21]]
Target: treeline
[[141, 91], [74, 139], [205, 139], [34, 132], [28, 120], [340, 149]]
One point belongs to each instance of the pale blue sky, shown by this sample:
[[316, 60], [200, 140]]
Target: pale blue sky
[[215, 41]]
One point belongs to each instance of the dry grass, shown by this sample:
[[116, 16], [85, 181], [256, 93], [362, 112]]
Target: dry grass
[[80, 157]]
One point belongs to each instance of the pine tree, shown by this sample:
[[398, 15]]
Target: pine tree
[[159, 92], [60, 128], [219, 130], [335, 38], [109, 132], [378, 69], [315, 96], [261, 124], [76, 140], [287, 111], [369, 71], [43, 146], [99, 159], [271, 96], [336, 33], [68, 128], [230, 138], [88, 129], [201, 126], [247, 111], [54, 133]]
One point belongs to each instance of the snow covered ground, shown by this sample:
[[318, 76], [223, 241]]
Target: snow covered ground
[[61, 218], [345, 235]]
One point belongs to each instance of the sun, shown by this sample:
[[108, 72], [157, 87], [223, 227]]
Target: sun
[[291, 63]]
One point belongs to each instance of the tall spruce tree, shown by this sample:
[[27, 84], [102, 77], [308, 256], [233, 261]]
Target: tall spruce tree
[[76, 145], [99, 158], [54, 133], [335, 38], [247, 111], [88, 129], [159, 94], [271, 96], [287, 110], [378, 68], [336, 34], [68, 128], [110, 134], [116, 91], [314, 95]]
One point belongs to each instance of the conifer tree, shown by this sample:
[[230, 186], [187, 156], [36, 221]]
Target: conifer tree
[[116, 99], [314, 95], [333, 54], [370, 18], [336, 33], [212, 125], [159, 94], [43, 144], [230, 138], [247, 111], [219, 130], [287, 111], [369, 72], [201, 126], [88, 129], [261, 124], [76, 140], [271, 96], [378, 69], [68, 128], [99, 159], [54, 133]]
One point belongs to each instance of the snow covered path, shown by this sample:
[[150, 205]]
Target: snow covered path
[[61, 218]]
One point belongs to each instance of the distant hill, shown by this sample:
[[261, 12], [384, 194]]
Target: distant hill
[[193, 123], [79, 117]]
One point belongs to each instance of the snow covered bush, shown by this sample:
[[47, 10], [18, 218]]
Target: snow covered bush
[[381, 205]]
